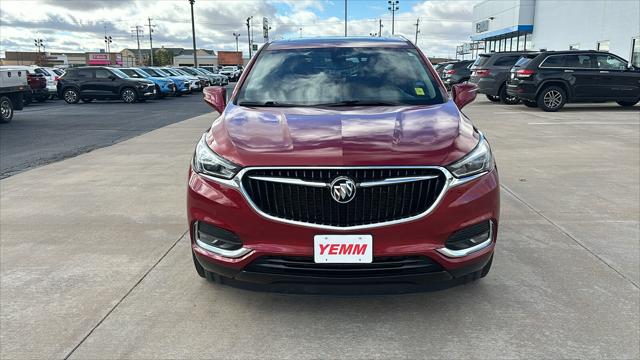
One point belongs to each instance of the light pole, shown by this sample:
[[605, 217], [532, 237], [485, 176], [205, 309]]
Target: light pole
[[373, 34], [237, 35], [345, 18], [393, 7], [300, 32], [193, 33], [249, 33]]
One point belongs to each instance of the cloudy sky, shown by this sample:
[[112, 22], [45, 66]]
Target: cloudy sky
[[79, 25]]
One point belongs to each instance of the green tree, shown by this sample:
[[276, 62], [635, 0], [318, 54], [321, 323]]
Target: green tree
[[162, 57]]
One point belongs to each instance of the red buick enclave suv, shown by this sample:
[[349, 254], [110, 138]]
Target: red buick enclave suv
[[342, 162]]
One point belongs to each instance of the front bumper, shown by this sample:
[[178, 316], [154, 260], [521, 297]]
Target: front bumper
[[225, 207], [147, 92]]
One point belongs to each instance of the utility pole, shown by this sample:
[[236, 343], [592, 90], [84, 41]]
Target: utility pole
[[393, 7], [138, 29], [151, 39], [39, 43], [249, 33], [417, 31], [193, 33], [345, 18], [237, 35], [379, 27]]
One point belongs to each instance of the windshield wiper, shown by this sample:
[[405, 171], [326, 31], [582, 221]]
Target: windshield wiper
[[361, 103], [265, 104]]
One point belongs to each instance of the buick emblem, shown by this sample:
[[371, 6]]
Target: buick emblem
[[343, 189]]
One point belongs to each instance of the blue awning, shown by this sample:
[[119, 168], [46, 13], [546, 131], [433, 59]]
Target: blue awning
[[523, 29]]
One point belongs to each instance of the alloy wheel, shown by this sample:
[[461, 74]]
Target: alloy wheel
[[5, 108], [552, 99], [70, 96], [128, 96]]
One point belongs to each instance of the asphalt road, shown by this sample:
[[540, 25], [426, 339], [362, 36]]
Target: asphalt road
[[47, 132]]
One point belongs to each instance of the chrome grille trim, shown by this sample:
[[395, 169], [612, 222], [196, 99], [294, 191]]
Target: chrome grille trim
[[450, 181]]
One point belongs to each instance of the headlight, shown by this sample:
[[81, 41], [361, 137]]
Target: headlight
[[479, 160], [207, 162]]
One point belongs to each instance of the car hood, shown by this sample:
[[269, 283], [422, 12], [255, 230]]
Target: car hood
[[410, 135]]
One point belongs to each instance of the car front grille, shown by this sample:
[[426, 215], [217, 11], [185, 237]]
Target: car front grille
[[381, 266], [370, 205]]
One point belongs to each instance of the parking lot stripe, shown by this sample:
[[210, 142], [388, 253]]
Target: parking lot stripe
[[583, 123]]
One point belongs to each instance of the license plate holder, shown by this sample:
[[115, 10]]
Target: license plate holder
[[343, 249]]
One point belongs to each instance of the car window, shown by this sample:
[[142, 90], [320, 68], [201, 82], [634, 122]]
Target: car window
[[506, 60], [41, 71], [102, 74], [321, 76], [578, 61], [609, 62], [481, 60], [553, 61], [524, 60], [119, 73], [131, 73], [152, 72], [448, 67], [85, 73]]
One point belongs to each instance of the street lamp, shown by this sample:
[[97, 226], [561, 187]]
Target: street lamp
[[193, 33], [300, 32], [393, 7], [237, 35]]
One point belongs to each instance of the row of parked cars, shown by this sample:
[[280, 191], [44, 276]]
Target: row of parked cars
[[548, 79], [134, 84]]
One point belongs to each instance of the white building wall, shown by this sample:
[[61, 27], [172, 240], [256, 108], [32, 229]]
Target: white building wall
[[504, 13], [559, 24]]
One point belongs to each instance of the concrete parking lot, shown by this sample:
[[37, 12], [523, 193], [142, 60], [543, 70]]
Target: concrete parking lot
[[95, 260]]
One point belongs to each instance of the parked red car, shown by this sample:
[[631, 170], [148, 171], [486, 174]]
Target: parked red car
[[342, 162]]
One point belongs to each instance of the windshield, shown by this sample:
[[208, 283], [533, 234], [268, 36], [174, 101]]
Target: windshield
[[181, 72], [119, 73], [339, 76], [134, 73], [205, 71], [172, 72], [188, 71], [157, 72]]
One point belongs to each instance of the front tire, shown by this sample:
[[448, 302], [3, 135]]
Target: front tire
[[627, 103], [493, 98], [506, 98], [158, 93], [128, 95], [71, 96], [6, 109], [552, 98]]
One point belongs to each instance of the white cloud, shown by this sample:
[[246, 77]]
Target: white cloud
[[74, 25]]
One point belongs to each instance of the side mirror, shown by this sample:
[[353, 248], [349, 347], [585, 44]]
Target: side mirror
[[216, 97], [463, 94]]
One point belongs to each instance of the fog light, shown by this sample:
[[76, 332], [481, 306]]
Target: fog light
[[218, 241], [468, 240]]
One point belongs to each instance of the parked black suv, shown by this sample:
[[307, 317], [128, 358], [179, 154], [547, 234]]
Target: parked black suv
[[491, 71], [89, 83], [456, 73], [553, 78]]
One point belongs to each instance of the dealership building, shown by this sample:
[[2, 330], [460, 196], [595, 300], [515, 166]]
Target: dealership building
[[512, 25]]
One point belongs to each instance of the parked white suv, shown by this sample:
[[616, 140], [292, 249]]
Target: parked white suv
[[232, 72]]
